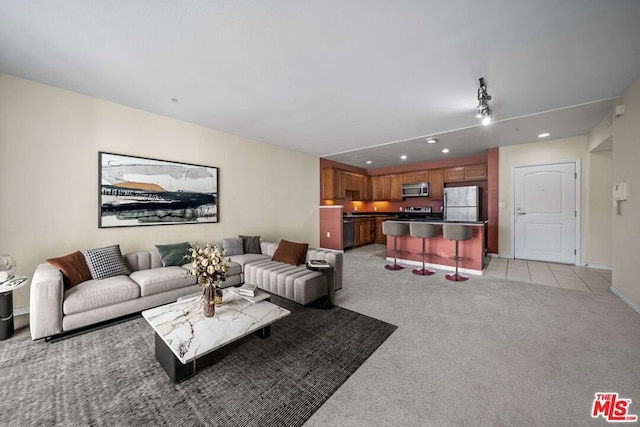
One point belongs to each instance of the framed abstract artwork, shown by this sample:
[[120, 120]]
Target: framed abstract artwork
[[138, 191]]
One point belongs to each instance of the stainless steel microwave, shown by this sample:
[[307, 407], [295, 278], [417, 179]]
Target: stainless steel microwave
[[420, 189]]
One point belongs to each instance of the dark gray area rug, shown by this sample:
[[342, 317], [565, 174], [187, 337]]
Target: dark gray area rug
[[111, 377]]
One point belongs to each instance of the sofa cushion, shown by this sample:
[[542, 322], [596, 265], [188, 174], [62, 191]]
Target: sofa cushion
[[251, 244], [290, 252], [232, 246], [233, 268], [143, 260], [163, 279], [99, 293], [106, 262], [175, 254], [245, 259], [74, 268]]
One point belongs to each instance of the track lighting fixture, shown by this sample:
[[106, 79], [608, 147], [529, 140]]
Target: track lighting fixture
[[483, 110]]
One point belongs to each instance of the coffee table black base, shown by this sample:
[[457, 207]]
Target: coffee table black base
[[178, 371]]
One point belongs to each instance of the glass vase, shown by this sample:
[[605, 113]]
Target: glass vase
[[208, 297], [218, 295]]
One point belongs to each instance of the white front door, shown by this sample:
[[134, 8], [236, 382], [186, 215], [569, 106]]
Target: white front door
[[545, 212]]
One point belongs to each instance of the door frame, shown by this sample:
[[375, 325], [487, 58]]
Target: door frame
[[578, 191]]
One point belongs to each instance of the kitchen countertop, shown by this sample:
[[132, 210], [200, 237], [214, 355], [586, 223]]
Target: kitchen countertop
[[441, 222], [375, 213]]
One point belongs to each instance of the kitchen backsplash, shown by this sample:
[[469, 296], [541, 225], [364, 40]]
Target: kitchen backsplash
[[391, 207]]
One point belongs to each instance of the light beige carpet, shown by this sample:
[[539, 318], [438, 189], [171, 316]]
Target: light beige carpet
[[483, 352]]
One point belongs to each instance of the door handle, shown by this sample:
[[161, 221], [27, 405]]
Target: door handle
[[519, 212]]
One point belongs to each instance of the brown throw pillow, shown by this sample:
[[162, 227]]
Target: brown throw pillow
[[74, 268], [290, 252]]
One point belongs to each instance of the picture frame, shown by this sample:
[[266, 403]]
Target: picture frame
[[140, 191]]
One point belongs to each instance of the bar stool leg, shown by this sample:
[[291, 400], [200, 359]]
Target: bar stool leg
[[395, 265], [456, 277], [423, 271]]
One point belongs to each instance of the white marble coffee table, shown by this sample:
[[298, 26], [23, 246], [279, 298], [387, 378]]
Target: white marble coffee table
[[186, 339]]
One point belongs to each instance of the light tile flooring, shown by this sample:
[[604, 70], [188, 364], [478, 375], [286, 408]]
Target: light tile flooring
[[558, 275], [542, 273]]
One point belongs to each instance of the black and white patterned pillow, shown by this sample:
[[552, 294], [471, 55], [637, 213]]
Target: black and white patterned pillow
[[106, 262]]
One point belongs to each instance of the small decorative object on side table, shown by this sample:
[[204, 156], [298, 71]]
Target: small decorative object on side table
[[328, 270], [210, 267]]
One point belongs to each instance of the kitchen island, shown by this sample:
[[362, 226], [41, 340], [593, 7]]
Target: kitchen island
[[473, 250]]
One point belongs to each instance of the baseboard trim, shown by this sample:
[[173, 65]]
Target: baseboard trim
[[624, 299], [598, 266], [20, 311]]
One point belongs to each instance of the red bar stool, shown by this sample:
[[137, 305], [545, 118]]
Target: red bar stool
[[424, 231], [457, 232], [394, 229]]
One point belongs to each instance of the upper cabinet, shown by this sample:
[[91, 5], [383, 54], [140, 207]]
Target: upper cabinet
[[466, 173], [436, 184], [415, 177], [386, 187], [336, 183], [342, 184], [395, 181]]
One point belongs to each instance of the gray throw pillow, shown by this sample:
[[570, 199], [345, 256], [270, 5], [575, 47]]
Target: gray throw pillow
[[251, 244], [232, 246], [175, 254], [106, 262]]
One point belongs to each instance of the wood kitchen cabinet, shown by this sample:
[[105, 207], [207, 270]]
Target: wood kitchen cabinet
[[386, 187], [336, 183], [436, 184], [395, 192], [379, 235], [365, 231], [476, 172], [333, 184], [415, 177], [380, 187], [466, 173]]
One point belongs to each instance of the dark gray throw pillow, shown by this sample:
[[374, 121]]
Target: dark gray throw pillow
[[174, 254], [251, 244], [106, 262], [232, 246]]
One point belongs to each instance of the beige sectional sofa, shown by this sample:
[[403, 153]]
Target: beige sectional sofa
[[55, 310]]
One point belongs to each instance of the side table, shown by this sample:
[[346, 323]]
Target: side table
[[329, 273], [6, 308]]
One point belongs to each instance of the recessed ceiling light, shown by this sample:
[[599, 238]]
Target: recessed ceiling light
[[431, 140], [543, 135], [403, 157], [368, 162], [445, 150]]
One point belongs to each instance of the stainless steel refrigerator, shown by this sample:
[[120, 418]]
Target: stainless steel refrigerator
[[462, 203]]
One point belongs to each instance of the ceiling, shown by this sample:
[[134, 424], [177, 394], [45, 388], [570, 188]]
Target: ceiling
[[350, 80]]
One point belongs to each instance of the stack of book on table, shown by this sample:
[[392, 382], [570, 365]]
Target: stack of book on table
[[250, 292], [247, 290]]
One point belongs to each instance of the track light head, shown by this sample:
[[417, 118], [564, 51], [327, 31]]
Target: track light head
[[483, 110], [486, 117]]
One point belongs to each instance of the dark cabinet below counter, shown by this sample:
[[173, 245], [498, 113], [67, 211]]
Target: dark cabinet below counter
[[380, 238], [365, 231]]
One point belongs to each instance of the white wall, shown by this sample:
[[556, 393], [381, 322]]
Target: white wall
[[49, 143], [599, 214], [530, 154], [626, 227]]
